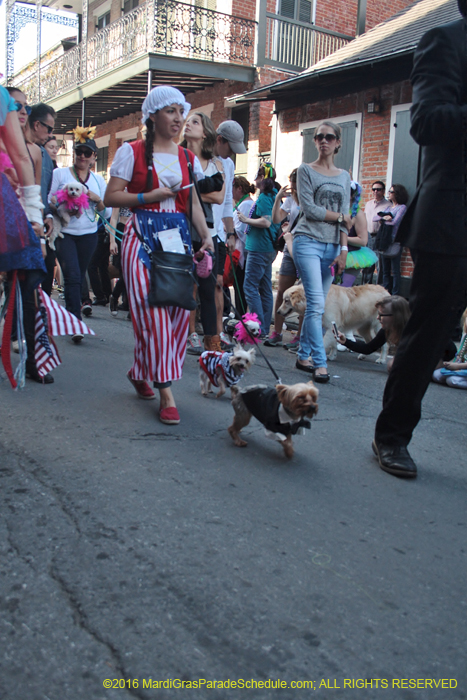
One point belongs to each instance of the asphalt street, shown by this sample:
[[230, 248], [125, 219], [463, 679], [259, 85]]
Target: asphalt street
[[138, 553]]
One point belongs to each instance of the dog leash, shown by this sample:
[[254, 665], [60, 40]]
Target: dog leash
[[239, 317]]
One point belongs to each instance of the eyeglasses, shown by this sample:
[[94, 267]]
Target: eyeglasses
[[86, 152], [327, 137], [377, 189], [383, 315], [19, 106], [46, 126]]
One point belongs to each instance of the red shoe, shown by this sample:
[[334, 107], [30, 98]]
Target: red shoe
[[143, 389], [169, 416]]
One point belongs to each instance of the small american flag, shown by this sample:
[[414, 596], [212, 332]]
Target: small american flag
[[52, 319]]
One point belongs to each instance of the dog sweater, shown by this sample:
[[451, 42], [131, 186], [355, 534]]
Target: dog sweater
[[210, 360], [263, 404]]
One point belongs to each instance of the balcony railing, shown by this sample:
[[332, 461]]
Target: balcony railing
[[182, 30], [296, 46]]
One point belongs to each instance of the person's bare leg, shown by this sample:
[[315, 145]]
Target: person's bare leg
[[166, 398]]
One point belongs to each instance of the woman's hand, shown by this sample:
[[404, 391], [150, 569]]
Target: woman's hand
[[158, 195], [341, 338], [283, 192], [207, 244], [388, 217], [348, 221], [339, 262], [241, 217], [38, 229], [452, 366], [96, 198], [113, 247]]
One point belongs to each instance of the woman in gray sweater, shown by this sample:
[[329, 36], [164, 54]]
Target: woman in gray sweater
[[320, 241]]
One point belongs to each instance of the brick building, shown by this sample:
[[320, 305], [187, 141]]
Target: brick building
[[365, 88]]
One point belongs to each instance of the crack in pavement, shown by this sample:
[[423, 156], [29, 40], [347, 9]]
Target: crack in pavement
[[81, 620]]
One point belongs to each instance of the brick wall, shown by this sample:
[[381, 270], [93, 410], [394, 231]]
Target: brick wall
[[374, 142], [338, 15], [378, 10]]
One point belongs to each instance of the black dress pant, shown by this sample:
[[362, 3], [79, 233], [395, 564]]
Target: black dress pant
[[438, 297]]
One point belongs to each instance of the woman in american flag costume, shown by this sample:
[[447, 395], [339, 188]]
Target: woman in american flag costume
[[151, 178]]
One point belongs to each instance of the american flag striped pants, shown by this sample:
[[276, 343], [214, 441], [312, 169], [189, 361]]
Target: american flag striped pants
[[160, 333]]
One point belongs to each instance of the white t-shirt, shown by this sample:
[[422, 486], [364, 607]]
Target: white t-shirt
[[290, 206], [88, 221], [240, 229], [224, 210], [167, 166]]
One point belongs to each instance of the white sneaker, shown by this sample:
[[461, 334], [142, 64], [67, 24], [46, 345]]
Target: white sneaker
[[341, 348], [193, 345], [77, 338], [226, 341]]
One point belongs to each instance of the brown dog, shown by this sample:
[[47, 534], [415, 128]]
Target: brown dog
[[352, 309], [281, 410]]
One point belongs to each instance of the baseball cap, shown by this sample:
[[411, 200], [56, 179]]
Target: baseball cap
[[88, 143], [233, 133]]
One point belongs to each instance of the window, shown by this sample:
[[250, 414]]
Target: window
[[129, 5], [103, 20], [300, 10], [102, 160]]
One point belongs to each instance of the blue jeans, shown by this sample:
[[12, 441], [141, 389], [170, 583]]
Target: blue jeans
[[313, 259], [258, 286], [392, 265], [74, 255]]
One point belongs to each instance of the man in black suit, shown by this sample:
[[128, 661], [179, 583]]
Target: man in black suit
[[435, 230]]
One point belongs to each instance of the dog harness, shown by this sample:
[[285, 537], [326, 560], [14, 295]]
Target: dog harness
[[263, 404], [210, 360]]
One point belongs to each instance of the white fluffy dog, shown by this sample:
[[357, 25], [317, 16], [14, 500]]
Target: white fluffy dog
[[71, 201], [351, 308]]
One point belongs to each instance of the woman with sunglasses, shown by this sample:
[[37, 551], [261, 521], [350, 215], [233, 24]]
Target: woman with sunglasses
[[152, 178], [75, 249], [320, 241], [393, 314]]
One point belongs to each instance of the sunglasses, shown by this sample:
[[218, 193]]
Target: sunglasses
[[383, 315], [86, 152], [377, 189], [327, 137], [46, 126], [26, 108]]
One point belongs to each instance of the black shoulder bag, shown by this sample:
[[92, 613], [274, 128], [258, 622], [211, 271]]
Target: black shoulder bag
[[172, 278]]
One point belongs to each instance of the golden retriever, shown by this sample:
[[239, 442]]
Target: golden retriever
[[352, 309]]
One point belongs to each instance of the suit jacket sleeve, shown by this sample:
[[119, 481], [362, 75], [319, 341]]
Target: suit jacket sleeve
[[438, 115]]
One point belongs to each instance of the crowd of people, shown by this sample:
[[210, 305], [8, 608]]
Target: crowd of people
[[180, 178]]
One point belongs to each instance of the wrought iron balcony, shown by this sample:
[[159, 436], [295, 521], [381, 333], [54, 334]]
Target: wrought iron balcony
[[163, 27], [297, 46], [177, 29]]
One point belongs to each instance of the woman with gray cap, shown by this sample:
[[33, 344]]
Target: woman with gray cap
[[152, 178], [78, 238]]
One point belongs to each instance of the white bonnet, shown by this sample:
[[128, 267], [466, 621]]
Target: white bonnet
[[163, 96]]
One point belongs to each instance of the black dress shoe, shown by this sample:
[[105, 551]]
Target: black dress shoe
[[305, 368], [34, 374], [395, 459], [100, 302]]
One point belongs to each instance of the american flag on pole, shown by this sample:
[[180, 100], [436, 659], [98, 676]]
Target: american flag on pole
[[52, 319]]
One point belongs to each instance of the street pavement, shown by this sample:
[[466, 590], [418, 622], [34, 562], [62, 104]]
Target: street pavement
[[134, 552]]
